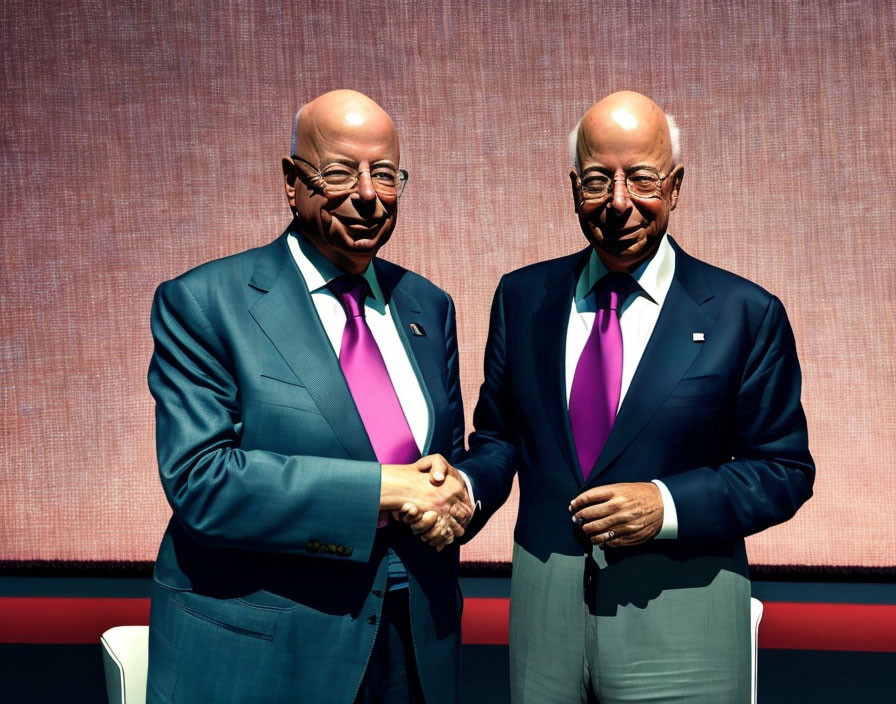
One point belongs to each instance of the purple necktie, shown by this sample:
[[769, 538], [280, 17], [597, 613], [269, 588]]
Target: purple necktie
[[368, 379], [597, 383]]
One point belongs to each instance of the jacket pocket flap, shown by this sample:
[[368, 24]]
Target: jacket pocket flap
[[282, 393], [232, 614]]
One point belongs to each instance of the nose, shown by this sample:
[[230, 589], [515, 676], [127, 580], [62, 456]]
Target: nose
[[619, 200], [365, 186]]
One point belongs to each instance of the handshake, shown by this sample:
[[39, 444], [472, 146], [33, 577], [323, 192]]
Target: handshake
[[430, 496]]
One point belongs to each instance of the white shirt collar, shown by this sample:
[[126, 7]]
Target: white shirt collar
[[318, 271], [654, 276]]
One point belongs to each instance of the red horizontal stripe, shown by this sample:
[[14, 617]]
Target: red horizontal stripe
[[785, 625], [66, 619], [857, 627]]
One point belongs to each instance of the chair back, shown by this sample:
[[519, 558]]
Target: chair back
[[125, 651]]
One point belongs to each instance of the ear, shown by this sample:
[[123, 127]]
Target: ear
[[290, 173], [676, 177], [574, 182]]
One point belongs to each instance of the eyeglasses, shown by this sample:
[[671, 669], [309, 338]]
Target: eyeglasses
[[641, 183], [340, 180]]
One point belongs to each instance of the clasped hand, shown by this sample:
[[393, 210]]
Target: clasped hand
[[430, 496], [619, 515]]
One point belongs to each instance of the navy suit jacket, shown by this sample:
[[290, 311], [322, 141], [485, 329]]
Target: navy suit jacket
[[270, 578], [719, 421]]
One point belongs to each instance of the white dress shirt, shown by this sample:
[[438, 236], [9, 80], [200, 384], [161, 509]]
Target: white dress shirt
[[318, 271], [637, 318]]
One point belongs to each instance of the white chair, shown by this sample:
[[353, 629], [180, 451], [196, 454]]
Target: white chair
[[755, 618], [125, 651]]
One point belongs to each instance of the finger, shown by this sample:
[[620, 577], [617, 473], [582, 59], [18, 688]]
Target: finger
[[616, 522], [444, 535], [438, 471], [643, 534], [631, 533], [408, 513], [456, 527], [430, 462], [426, 523], [627, 540], [596, 495], [609, 538], [598, 512], [440, 535], [462, 516], [461, 509], [436, 531]]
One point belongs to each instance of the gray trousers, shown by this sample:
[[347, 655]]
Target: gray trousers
[[644, 629]]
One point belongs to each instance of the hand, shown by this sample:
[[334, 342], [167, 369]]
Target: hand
[[439, 471], [619, 515], [438, 531], [435, 530], [436, 506]]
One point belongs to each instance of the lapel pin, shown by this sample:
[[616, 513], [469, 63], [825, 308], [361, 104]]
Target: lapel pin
[[418, 330], [699, 337]]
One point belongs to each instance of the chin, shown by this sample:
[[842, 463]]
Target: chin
[[354, 251], [627, 257]]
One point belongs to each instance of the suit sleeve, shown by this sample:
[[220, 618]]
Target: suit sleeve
[[771, 472], [225, 496], [491, 461]]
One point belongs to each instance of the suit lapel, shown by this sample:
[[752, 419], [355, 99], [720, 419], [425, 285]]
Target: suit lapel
[[550, 319], [670, 352], [287, 316], [405, 309]]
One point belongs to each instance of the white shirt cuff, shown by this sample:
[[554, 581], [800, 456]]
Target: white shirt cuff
[[669, 531], [469, 484]]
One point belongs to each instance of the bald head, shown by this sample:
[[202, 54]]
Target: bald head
[[339, 115], [626, 178], [341, 178], [626, 117]]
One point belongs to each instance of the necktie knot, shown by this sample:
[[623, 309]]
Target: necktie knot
[[613, 289], [351, 290]]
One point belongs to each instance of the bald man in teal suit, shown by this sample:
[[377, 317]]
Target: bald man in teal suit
[[280, 577]]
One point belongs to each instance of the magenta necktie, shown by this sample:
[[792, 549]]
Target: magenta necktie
[[368, 379], [597, 383]]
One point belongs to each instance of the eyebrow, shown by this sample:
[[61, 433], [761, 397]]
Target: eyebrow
[[354, 164], [605, 169]]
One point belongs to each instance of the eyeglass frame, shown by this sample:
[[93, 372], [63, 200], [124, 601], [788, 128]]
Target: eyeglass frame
[[613, 179], [403, 176]]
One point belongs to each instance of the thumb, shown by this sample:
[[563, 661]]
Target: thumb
[[436, 466]]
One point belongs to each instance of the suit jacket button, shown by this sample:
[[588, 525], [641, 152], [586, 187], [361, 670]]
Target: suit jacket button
[[331, 548], [378, 593], [348, 551], [372, 620]]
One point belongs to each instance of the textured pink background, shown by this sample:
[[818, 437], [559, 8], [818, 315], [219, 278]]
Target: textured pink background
[[140, 140]]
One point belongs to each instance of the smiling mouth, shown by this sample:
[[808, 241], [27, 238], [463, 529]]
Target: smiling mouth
[[362, 228], [362, 235]]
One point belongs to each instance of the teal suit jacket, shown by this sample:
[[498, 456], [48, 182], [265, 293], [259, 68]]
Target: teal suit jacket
[[719, 421], [270, 578]]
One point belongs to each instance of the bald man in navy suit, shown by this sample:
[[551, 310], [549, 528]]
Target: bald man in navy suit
[[650, 405]]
